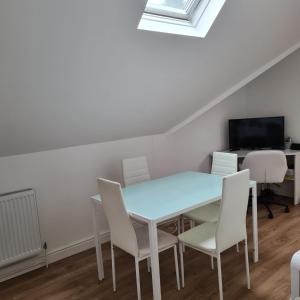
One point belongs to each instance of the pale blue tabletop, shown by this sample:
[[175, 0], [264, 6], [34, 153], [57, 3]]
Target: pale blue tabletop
[[163, 198], [169, 196]]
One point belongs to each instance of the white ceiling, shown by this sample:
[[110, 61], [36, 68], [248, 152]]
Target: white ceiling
[[77, 71]]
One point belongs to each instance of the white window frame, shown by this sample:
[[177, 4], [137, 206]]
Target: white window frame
[[196, 23], [172, 12]]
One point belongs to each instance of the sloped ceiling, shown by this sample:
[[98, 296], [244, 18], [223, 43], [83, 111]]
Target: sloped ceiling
[[75, 72]]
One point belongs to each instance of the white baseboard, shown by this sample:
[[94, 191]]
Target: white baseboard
[[22, 267], [75, 247], [52, 256]]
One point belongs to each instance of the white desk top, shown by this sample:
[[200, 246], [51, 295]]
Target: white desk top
[[243, 153]]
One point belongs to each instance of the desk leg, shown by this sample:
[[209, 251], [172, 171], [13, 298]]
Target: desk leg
[[97, 243], [154, 261], [254, 222], [297, 179]]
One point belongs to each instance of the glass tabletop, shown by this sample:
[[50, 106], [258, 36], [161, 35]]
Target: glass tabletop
[[162, 198]]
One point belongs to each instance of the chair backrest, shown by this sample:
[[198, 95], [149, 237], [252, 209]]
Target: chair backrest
[[231, 227], [224, 164], [135, 170], [122, 233], [266, 166]]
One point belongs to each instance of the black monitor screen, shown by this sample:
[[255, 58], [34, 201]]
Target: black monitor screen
[[256, 133]]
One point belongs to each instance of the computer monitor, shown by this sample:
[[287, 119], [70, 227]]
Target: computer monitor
[[256, 133]]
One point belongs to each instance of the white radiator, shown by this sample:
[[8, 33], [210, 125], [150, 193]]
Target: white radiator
[[20, 236]]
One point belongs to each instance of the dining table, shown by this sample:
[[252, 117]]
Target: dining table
[[157, 200]]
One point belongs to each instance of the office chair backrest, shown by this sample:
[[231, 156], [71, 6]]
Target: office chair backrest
[[224, 164], [122, 233], [135, 170], [231, 227], [266, 166]]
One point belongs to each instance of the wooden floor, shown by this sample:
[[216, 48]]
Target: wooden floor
[[76, 277]]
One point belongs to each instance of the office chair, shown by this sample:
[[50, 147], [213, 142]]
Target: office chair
[[266, 167]]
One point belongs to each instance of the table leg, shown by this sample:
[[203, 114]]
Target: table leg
[[154, 261], [254, 222], [97, 243]]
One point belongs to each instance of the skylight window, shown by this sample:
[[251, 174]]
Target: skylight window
[[177, 4], [171, 8], [185, 17]]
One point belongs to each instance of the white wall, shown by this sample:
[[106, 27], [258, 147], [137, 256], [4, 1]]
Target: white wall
[[65, 178], [277, 92], [193, 144], [84, 64]]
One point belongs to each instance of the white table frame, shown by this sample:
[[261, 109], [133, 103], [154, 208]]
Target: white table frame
[[152, 225]]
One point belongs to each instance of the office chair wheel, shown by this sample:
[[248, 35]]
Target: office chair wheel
[[270, 216], [287, 210]]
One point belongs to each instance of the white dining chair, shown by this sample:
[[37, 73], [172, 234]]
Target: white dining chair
[[214, 238], [223, 164], [133, 240], [136, 170]]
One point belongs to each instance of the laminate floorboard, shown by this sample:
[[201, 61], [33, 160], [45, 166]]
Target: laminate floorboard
[[75, 277]]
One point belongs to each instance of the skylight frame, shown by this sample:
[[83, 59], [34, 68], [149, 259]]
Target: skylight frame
[[197, 23], [172, 12]]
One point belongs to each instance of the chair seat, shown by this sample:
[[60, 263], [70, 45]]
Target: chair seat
[[165, 240], [207, 213], [201, 237]]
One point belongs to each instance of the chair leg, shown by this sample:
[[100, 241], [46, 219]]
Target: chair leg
[[265, 202], [212, 262], [220, 277], [247, 265], [286, 206], [181, 263], [137, 272], [113, 267], [268, 199], [148, 264], [237, 248], [192, 224], [270, 215], [182, 230], [176, 267]]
